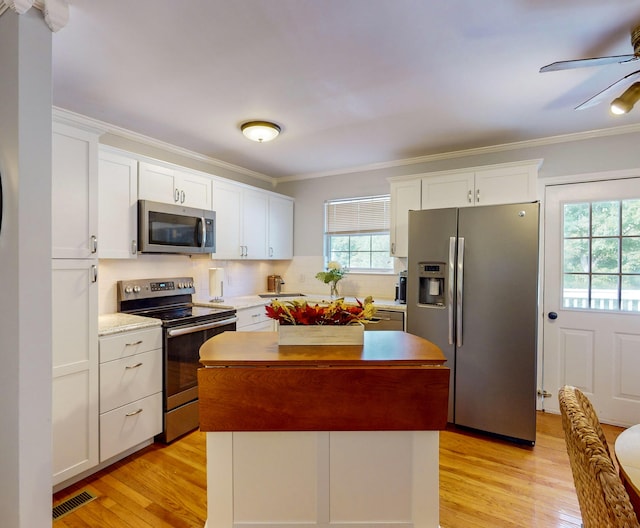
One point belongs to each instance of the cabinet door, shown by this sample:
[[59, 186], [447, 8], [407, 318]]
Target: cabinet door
[[75, 367], [255, 214], [405, 197], [448, 190], [156, 183], [194, 190], [280, 228], [227, 203], [254, 319], [74, 214], [118, 211], [513, 184]]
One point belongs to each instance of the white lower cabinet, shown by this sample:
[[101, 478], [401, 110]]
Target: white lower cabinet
[[320, 479], [129, 425], [74, 412], [130, 390], [254, 319]]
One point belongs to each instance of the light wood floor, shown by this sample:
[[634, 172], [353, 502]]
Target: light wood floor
[[484, 483]]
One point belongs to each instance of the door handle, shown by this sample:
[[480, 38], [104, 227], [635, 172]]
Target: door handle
[[459, 291], [553, 316], [451, 281]]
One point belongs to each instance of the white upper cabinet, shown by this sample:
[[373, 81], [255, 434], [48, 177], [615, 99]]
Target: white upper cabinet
[[405, 197], [74, 215], [166, 184], [450, 190], [118, 210], [227, 203], [511, 184], [490, 185], [280, 227], [255, 223], [251, 223]]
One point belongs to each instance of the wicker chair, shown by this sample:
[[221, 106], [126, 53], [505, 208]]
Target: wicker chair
[[603, 500]]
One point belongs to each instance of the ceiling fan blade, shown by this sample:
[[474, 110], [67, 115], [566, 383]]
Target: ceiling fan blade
[[607, 92], [584, 63]]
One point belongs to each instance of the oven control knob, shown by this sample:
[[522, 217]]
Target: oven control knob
[[190, 285], [136, 289], [180, 285], [128, 289]]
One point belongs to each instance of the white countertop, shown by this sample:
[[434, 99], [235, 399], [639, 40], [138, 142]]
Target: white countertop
[[249, 301], [116, 323]]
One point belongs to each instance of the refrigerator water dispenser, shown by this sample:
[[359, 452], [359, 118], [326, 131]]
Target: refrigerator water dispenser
[[431, 283]]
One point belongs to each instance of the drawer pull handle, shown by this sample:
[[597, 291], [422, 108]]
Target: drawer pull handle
[[133, 413], [134, 344], [133, 366]]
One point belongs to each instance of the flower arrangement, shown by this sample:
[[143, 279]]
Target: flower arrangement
[[335, 313], [332, 275]]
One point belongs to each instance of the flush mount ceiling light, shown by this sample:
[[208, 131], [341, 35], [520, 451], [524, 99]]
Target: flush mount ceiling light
[[625, 102], [260, 131]]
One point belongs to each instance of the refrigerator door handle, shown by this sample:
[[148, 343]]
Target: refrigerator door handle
[[459, 291], [451, 281]]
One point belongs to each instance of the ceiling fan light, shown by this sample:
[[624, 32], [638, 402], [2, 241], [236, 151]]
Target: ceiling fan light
[[624, 103], [260, 131]]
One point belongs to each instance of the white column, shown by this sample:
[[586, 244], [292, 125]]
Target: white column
[[25, 270]]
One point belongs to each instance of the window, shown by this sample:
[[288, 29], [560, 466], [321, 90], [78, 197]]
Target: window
[[601, 255], [357, 233]]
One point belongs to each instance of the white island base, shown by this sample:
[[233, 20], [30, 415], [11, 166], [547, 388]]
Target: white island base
[[386, 479]]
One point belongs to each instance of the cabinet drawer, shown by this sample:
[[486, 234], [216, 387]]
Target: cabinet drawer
[[130, 425], [262, 326], [129, 343], [131, 378], [249, 316]]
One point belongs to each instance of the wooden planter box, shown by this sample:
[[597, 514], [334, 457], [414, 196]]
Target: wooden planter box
[[320, 335]]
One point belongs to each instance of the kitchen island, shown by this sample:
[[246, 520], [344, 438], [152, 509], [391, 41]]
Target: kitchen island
[[322, 435]]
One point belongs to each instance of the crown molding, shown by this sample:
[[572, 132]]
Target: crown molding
[[56, 12], [67, 116], [531, 143]]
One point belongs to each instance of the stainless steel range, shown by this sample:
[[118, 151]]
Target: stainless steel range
[[185, 327]]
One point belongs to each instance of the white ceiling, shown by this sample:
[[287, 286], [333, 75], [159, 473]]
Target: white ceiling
[[351, 82]]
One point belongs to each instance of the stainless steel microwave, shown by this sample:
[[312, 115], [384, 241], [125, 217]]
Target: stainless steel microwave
[[172, 228]]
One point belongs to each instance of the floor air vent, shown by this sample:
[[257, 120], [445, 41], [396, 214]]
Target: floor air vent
[[71, 504]]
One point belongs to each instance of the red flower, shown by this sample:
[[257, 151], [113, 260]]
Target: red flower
[[334, 313]]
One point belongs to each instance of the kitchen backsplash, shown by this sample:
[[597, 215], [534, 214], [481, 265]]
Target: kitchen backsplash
[[242, 277]]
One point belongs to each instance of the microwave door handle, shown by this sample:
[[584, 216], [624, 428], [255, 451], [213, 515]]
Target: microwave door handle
[[203, 233]]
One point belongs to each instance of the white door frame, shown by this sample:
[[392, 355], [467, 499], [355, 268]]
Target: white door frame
[[543, 183]]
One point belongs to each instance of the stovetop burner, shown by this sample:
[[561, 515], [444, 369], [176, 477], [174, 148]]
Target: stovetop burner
[[187, 313]]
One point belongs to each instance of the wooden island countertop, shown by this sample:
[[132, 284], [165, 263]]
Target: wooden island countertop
[[394, 381]]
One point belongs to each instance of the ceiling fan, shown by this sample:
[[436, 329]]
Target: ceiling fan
[[625, 102]]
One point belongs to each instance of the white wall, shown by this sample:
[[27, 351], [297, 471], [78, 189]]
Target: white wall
[[25, 269]]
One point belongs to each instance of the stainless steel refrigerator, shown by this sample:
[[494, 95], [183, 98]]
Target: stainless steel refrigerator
[[472, 289]]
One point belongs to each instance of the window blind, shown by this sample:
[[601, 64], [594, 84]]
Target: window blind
[[357, 215]]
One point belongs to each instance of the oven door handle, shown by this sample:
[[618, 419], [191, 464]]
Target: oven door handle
[[174, 332]]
